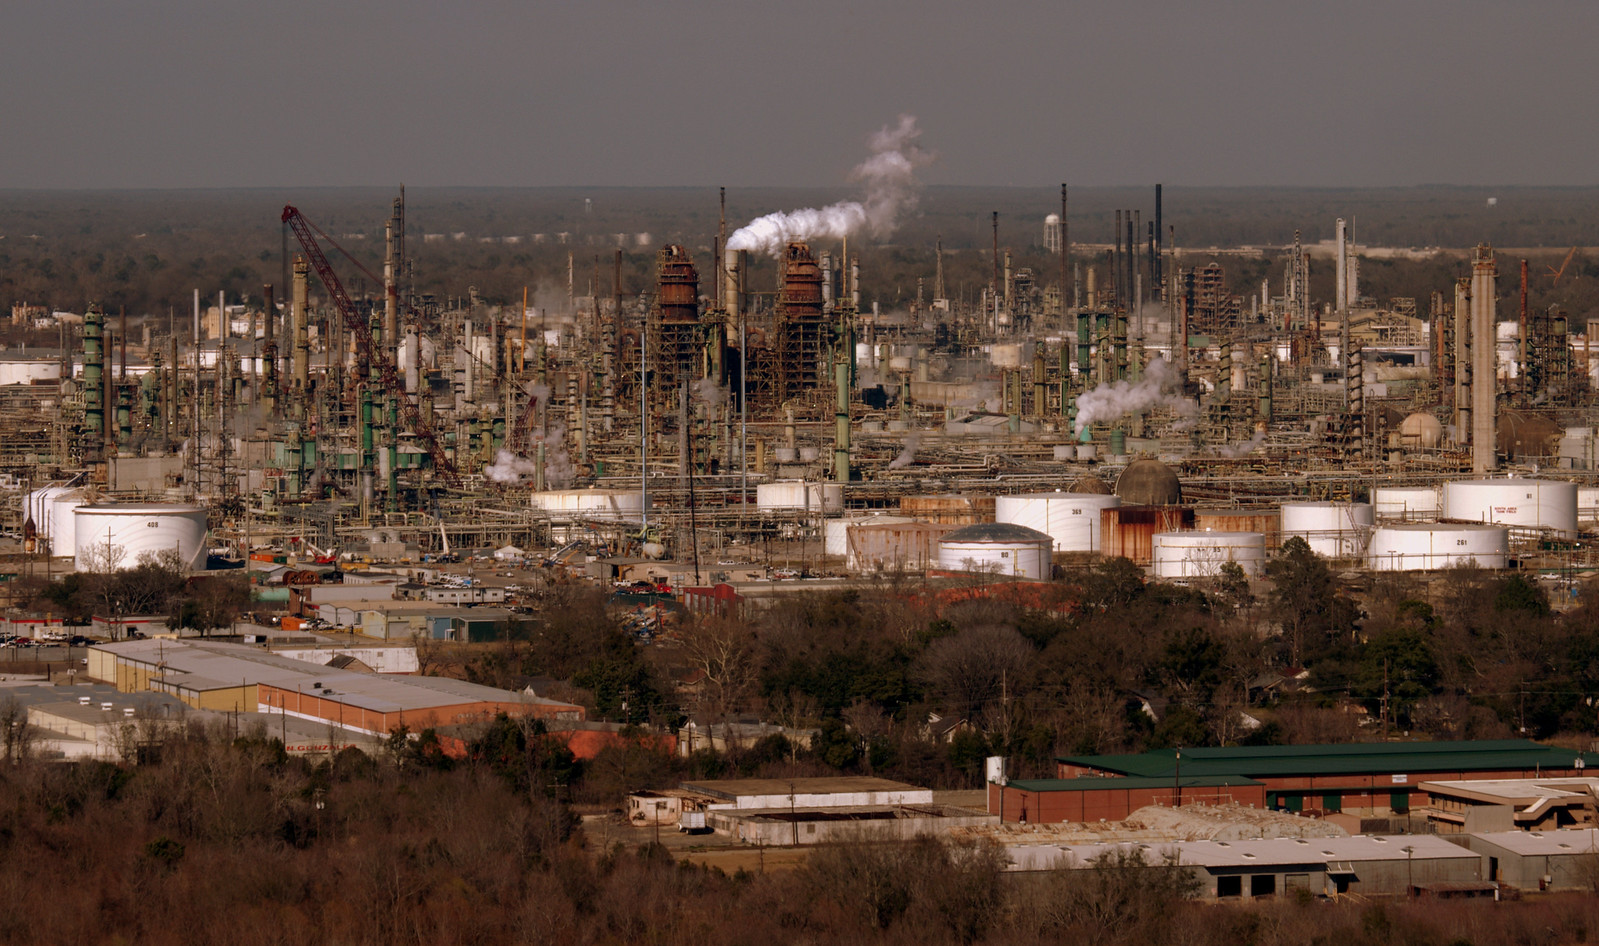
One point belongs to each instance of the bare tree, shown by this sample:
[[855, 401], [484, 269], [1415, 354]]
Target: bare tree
[[971, 669]]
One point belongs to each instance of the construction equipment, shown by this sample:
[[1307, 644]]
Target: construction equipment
[[307, 232], [1557, 273]]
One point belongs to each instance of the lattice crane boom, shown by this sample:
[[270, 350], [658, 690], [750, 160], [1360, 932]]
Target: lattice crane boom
[[388, 372]]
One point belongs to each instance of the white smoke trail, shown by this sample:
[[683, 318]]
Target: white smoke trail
[[509, 469], [906, 456], [891, 190], [1244, 449], [1157, 388], [709, 393]]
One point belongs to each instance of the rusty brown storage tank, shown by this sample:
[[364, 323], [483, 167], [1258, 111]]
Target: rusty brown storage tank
[[894, 546], [1149, 482], [949, 508], [802, 284], [677, 291], [1089, 483], [1129, 531], [1267, 520]]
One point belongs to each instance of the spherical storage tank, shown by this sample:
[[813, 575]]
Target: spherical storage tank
[[1514, 501], [998, 548], [131, 530], [1405, 502], [1336, 530], [1149, 482], [1071, 520], [1424, 546], [795, 495], [1193, 554], [591, 503]]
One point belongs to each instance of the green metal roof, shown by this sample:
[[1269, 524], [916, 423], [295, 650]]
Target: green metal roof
[[1343, 759], [1120, 783]]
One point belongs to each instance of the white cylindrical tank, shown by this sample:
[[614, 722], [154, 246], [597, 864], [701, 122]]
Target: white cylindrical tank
[[1001, 549], [1193, 554], [117, 535], [796, 495], [1405, 503], [1587, 506], [835, 532], [1071, 520], [591, 503], [1336, 530], [1424, 546], [51, 509], [29, 372], [1514, 501]]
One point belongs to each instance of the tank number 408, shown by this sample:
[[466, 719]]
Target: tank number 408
[[153, 525]]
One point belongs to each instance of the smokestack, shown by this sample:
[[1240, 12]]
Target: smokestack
[[1159, 275], [1463, 362], [299, 314], [391, 289], [1066, 291], [1484, 381], [1341, 278], [1116, 262]]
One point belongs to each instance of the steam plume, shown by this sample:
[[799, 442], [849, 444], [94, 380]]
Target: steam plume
[[1157, 388], [906, 456], [509, 468], [891, 190]]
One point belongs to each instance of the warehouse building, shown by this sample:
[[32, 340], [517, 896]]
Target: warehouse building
[[1242, 870], [1511, 804], [1363, 778], [1540, 860], [1046, 801], [238, 678]]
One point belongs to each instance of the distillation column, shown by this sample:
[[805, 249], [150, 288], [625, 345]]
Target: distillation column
[[1484, 348]]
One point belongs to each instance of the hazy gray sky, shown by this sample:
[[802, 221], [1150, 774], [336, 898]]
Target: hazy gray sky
[[209, 93]]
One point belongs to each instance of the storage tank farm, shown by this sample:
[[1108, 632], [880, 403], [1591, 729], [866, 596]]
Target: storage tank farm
[[823, 390]]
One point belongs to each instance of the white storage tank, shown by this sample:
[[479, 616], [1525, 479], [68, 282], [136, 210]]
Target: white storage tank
[[825, 499], [1514, 501], [591, 503], [1425, 546], [835, 532], [51, 509], [1001, 549], [1336, 530], [1071, 520], [118, 534], [1194, 554], [1588, 506], [1405, 503]]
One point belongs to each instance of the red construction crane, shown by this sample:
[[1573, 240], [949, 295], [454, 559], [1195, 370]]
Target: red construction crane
[[307, 232], [1557, 273]]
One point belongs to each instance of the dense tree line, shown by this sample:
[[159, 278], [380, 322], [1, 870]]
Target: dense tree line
[[911, 682], [225, 839]]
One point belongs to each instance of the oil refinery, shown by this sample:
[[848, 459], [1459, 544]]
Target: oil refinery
[[752, 412]]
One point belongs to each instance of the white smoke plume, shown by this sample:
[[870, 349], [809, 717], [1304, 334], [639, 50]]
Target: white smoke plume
[[559, 471], [709, 393], [1244, 449], [1157, 388], [508, 468], [906, 456], [889, 176]]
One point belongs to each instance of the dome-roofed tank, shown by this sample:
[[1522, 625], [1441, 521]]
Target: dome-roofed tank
[[1528, 435], [1089, 483], [1001, 549], [1149, 482]]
